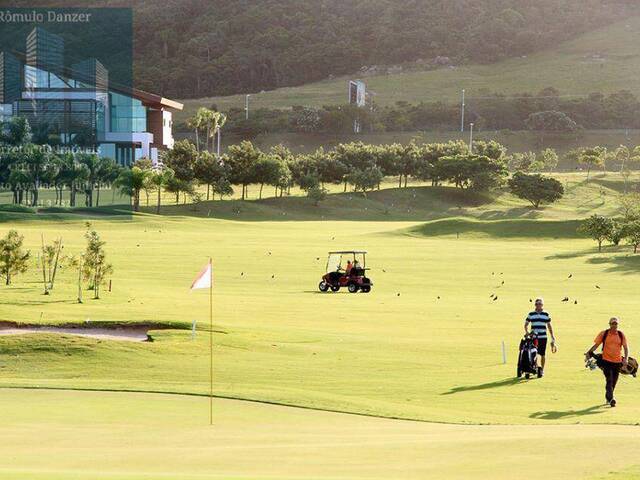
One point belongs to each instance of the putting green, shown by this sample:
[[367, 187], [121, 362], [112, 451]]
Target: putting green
[[57, 435]]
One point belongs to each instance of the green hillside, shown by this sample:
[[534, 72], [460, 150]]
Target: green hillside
[[605, 60]]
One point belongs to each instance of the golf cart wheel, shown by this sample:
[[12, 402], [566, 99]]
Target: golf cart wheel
[[366, 289], [353, 288], [335, 288], [323, 286]]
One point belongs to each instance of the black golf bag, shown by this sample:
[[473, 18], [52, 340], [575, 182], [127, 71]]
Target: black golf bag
[[528, 356]]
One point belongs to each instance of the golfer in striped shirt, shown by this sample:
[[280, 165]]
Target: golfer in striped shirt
[[540, 321]]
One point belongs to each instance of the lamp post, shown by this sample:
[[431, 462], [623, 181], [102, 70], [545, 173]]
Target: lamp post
[[246, 106], [471, 138], [462, 113]]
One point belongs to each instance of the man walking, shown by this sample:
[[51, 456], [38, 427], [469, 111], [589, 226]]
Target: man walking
[[613, 342], [540, 321]]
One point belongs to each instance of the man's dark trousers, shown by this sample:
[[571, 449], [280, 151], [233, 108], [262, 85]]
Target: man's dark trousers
[[611, 372]]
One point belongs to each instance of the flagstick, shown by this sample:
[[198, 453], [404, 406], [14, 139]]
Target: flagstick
[[210, 343]]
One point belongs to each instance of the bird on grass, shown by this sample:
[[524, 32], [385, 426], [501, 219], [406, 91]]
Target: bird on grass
[[570, 275], [530, 301], [492, 295], [502, 282], [384, 271], [438, 297], [597, 287], [565, 299], [273, 276], [398, 294], [241, 274], [495, 298], [576, 302]]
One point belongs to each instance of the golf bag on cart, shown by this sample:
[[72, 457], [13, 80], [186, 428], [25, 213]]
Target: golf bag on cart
[[528, 356]]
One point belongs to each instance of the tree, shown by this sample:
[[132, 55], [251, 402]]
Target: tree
[[51, 259], [130, 182], [549, 159], [551, 121], [317, 194], [630, 205], [592, 157], [243, 159], [160, 178], [596, 227], [632, 234], [74, 174], [13, 259], [364, 180], [536, 188], [182, 160], [95, 266], [269, 169]]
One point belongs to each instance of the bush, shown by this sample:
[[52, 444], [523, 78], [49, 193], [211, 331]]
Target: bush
[[317, 194]]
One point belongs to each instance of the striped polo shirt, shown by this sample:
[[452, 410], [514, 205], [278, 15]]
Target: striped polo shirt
[[539, 322]]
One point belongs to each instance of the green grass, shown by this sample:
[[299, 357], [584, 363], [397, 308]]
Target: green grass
[[570, 67], [388, 353], [96, 436], [397, 352]]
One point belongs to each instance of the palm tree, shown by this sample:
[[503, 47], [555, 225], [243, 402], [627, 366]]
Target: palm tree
[[130, 182], [159, 178], [197, 122], [73, 174]]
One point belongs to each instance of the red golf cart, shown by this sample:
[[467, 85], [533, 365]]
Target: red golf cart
[[336, 277]]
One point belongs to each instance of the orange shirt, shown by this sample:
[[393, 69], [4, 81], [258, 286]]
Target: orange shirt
[[612, 349]]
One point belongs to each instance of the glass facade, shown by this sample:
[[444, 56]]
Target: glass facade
[[67, 121], [126, 114]]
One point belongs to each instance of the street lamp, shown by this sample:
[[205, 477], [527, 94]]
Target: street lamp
[[246, 106], [462, 113], [471, 138]]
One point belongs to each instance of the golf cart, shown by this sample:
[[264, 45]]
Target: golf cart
[[337, 277]]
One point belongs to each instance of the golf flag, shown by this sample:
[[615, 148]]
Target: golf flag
[[204, 278]]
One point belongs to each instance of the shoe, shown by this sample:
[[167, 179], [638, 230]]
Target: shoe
[[540, 373], [612, 403]]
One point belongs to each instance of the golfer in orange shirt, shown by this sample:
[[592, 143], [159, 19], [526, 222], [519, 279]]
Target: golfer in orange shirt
[[613, 342]]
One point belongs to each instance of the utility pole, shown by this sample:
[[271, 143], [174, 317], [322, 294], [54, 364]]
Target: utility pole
[[462, 113], [246, 106], [471, 138]]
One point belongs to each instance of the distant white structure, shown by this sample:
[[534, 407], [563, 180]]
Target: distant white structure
[[357, 93], [357, 97]]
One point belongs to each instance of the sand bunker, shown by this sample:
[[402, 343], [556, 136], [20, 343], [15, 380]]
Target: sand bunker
[[129, 334]]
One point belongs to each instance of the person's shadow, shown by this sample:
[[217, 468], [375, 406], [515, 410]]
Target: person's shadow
[[556, 414], [484, 386]]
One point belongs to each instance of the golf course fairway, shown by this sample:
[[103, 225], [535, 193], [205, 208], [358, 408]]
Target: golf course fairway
[[130, 436], [424, 346]]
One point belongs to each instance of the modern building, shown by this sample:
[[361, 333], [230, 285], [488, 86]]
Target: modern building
[[78, 105]]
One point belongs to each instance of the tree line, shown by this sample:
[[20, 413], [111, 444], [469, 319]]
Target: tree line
[[544, 111], [26, 168]]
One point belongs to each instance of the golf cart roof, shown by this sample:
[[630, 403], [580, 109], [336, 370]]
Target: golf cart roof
[[349, 251]]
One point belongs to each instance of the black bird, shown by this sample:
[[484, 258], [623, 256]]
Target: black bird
[[241, 274], [570, 275], [398, 295], [576, 302], [530, 301], [495, 298], [273, 276], [492, 295], [565, 299], [438, 297], [384, 271], [493, 273], [269, 253], [502, 282], [597, 287], [317, 258]]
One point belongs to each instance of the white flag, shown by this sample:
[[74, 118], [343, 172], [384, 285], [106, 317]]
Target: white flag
[[203, 280]]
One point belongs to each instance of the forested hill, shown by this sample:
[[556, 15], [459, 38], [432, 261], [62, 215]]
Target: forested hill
[[196, 48]]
